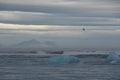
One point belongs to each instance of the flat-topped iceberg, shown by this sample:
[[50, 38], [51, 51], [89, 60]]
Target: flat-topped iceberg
[[113, 57], [63, 59]]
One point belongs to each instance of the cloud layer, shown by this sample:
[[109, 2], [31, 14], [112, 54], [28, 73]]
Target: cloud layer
[[61, 12], [61, 21]]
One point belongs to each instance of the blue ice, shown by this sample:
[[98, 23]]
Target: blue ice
[[63, 59], [113, 57]]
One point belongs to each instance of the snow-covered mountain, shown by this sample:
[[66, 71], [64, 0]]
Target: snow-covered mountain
[[28, 43], [34, 44]]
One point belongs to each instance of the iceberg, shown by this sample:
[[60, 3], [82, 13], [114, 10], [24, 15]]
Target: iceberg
[[113, 57], [63, 59]]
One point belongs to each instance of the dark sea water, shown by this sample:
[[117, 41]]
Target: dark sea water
[[21, 67]]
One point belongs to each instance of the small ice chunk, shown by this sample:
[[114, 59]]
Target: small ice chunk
[[63, 59], [113, 57]]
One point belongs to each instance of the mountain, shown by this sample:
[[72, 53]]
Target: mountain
[[34, 44], [28, 43]]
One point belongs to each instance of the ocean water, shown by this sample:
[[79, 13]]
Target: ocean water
[[29, 67]]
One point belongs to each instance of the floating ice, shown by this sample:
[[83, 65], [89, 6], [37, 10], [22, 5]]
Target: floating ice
[[63, 59], [113, 57]]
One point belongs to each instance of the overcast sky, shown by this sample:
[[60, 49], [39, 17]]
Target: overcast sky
[[61, 21]]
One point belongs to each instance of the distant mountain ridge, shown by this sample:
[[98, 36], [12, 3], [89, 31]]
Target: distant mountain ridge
[[29, 43], [35, 44]]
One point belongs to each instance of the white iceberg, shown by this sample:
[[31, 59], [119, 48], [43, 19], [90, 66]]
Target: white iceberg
[[63, 59], [113, 57]]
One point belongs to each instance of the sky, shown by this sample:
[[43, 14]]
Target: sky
[[61, 22]]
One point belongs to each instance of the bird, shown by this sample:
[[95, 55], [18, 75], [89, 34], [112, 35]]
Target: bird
[[83, 29]]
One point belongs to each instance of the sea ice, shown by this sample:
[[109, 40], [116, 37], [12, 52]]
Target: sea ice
[[63, 59]]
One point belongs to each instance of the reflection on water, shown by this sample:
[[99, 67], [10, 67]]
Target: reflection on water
[[13, 67]]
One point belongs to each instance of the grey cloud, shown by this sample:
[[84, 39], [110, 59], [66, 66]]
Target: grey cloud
[[101, 18], [62, 24], [13, 31], [62, 13], [55, 19], [4, 33], [67, 10]]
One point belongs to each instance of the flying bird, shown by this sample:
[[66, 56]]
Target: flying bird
[[83, 29]]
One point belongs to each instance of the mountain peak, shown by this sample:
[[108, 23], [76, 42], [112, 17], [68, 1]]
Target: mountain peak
[[33, 43], [29, 43]]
